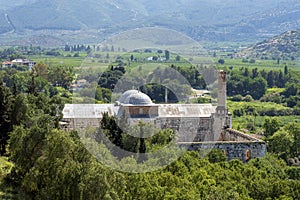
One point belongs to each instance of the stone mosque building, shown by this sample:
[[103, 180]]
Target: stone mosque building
[[197, 125]]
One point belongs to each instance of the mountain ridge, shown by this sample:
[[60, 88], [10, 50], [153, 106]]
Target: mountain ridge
[[286, 46], [229, 20]]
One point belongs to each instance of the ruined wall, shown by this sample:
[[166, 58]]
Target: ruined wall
[[81, 123], [233, 150], [188, 129], [234, 135]]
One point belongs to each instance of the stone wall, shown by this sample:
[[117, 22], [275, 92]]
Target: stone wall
[[81, 123], [234, 135], [188, 129], [233, 150]]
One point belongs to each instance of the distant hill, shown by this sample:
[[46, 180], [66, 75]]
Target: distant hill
[[218, 20], [39, 40], [286, 45]]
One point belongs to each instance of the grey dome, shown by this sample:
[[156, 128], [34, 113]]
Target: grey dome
[[124, 97], [139, 99]]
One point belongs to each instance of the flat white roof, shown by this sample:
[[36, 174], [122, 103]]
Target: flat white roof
[[88, 110], [185, 110], [164, 110]]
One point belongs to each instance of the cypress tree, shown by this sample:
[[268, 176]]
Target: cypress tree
[[5, 116]]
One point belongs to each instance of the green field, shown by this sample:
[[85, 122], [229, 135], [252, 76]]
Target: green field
[[250, 120], [257, 105], [58, 61], [100, 59], [241, 123], [260, 64]]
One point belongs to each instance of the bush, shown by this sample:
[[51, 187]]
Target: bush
[[252, 61], [203, 100], [248, 98], [237, 98], [293, 173], [273, 112], [216, 155], [296, 111], [221, 61], [238, 112], [273, 97]]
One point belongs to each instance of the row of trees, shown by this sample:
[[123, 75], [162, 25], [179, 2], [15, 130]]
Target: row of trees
[[192, 75], [19, 52], [72, 48], [155, 83], [255, 83], [288, 96], [240, 80], [238, 84], [42, 76]]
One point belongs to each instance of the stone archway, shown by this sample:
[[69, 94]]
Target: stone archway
[[225, 153], [248, 155]]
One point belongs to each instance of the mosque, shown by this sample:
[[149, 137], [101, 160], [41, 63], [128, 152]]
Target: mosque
[[197, 125]]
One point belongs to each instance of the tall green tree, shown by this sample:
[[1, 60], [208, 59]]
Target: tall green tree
[[5, 116], [294, 130], [41, 69], [281, 143], [109, 126], [167, 55], [271, 125], [61, 76], [260, 86], [290, 90], [20, 110], [26, 143], [286, 70], [255, 73], [271, 79]]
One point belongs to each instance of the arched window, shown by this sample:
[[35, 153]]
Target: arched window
[[248, 154]]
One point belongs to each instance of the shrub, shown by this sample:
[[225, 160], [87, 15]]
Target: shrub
[[238, 112], [237, 98], [248, 98], [252, 61], [221, 61], [216, 155]]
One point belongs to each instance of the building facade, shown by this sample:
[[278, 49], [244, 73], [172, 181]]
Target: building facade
[[19, 62], [197, 125]]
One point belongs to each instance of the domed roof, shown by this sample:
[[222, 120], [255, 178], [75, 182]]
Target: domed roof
[[139, 99], [124, 97], [134, 97]]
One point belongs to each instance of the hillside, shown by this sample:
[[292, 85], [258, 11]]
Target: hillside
[[286, 45], [218, 20]]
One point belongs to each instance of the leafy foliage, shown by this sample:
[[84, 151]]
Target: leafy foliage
[[5, 116]]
